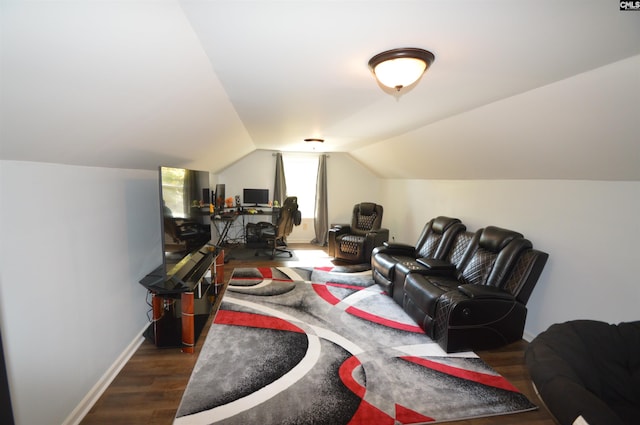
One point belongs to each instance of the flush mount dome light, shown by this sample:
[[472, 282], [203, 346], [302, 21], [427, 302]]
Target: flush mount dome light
[[400, 68], [314, 142]]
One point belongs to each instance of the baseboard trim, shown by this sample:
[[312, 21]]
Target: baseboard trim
[[528, 336], [81, 410]]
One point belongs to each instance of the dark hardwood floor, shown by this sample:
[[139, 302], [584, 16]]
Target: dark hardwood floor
[[149, 387]]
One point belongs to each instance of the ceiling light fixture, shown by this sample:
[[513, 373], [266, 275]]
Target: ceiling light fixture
[[314, 142], [400, 68]]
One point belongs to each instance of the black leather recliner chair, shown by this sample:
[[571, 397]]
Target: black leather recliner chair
[[354, 242], [435, 242], [479, 304]]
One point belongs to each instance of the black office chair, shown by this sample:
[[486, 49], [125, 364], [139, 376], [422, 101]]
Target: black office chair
[[275, 236]]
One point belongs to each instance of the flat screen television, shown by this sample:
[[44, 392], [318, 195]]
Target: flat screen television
[[255, 197], [185, 228]]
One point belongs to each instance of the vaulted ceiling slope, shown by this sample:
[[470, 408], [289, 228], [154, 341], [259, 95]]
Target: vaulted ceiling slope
[[520, 89]]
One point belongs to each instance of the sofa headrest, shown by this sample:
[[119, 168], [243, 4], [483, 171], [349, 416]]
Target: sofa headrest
[[367, 208], [495, 238], [441, 223]]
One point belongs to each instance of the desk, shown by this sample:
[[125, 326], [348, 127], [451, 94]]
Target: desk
[[223, 223]]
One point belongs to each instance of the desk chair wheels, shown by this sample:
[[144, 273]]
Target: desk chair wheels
[[276, 250]]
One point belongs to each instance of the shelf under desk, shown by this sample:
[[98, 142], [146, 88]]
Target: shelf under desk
[[224, 222]]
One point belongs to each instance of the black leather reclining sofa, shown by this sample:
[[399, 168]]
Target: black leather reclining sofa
[[467, 290]]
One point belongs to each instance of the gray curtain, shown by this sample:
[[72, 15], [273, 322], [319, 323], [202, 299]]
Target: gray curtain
[[280, 185], [321, 215]]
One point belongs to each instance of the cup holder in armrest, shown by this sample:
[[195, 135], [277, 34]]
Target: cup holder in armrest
[[433, 264]]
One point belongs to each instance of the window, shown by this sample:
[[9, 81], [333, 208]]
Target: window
[[301, 172]]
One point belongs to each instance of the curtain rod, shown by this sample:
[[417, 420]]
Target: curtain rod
[[303, 153]]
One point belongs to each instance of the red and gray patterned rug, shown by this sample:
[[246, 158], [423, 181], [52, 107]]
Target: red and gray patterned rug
[[327, 346]]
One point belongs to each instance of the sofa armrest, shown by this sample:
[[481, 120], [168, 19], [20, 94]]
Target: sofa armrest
[[399, 246], [435, 264], [484, 292], [340, 229], [376, 238], [392, 248], [377, 231], [339, 225]]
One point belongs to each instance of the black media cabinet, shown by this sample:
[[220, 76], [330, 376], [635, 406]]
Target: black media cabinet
[[182, 301]]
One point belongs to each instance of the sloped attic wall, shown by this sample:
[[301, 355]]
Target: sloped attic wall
[[583, 127]]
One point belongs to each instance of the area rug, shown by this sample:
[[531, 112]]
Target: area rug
[[327, 346]]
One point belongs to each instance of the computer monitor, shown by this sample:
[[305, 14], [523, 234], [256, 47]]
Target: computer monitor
[[255, 197]]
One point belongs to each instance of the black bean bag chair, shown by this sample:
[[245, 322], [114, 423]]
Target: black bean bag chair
[[588, 369]]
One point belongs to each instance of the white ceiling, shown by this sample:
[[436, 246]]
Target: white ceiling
[[524, 89]]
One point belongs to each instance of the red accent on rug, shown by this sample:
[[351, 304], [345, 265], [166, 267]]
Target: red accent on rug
[[382, 321], [325, 268], [368, 414], [346, 375], [408, 416], [266, 272], [237, 318], [496, 381], [344, 285], [324, 293]]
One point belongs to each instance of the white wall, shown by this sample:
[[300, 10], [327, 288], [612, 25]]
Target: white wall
[[75, 241], [589, 228], [581, 128], [256, 170], [348, 183]]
